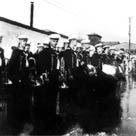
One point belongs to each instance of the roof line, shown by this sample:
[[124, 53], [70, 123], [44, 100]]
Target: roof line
[[29, 27], [94, 34]]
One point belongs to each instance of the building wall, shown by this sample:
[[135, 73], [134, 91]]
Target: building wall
[[11, 33]]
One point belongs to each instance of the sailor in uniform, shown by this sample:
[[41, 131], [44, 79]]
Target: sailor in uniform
[[47, 61], [17, 62], [85, 44], [30, 68], [20, 102], [106, 58], [70, 58], [40, 57], [2, 59], [97, 58]]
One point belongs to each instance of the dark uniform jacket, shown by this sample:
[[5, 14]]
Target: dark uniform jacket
[[46, 61], [112, 59], [85, 57], [106, 59], [2, 63], [16, 65], [70, 59], [80, 57], [97, 61]]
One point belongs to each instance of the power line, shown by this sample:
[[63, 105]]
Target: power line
[[59, 6], [129, 35], [56, 3]]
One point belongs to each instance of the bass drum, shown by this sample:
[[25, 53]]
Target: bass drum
[[114, 71], [109, 69]]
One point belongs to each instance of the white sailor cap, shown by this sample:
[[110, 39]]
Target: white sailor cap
[[121, 51], [72, 38], [112, 48], [78, 45], [86, 41], [106, 46], [23, 37], [98, 45], [116, 51], [54, 36], [91, 48]]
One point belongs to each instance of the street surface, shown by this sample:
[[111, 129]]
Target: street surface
[[127, 108]]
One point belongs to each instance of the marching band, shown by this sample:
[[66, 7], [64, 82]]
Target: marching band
[[48, 59], [79, 67]]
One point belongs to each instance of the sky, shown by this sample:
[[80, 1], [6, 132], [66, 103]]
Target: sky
[[109, 18]]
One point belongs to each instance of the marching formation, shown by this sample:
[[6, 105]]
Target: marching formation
[[25, 66], [87, 71]]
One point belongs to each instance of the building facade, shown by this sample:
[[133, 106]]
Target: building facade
[[11, 30], [94, 38]]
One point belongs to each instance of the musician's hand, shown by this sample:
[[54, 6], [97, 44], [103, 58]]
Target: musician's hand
[[92, 69], [82, 63], [44, 75]]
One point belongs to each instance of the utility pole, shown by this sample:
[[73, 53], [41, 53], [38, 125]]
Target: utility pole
[[31, 14], [129, 33]]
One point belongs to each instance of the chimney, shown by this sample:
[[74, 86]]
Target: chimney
[[31, 14]]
